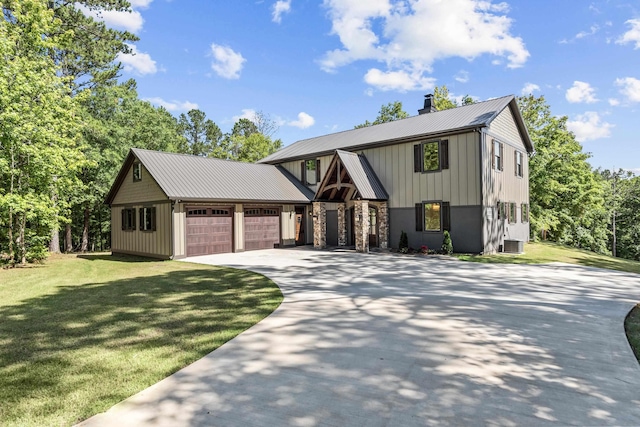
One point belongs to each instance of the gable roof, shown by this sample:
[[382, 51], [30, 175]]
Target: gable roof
[[467, 117], [364, 179], [187, 177]]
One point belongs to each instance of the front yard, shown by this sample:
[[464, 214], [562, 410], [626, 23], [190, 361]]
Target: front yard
[[81, 333]]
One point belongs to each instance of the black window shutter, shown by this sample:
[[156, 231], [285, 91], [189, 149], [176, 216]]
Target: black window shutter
[[446, 216], [318, 171], [141, 212], [417, 158], [303, 173], [123, 218], [153, 219], [515, 162], [444, 154], [419, 217], [501, 156], [133, 218]]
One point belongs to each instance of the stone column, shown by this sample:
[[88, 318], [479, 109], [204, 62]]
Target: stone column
[[361, 213], [383, 225], [319, 225], [342, 225]]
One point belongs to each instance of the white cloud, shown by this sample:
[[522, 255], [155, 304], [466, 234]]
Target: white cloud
[[279, 8], [140, 4], [397, 35], [368, 91], [581, 92], [614, 102], [589, 126], [401, 81], [529, 88], [462, 76], [592, 30], [137, 62], [630, 88], [304, 121], [633, 35], [173, 105], [226, 63], [129, 21], [247, 113]]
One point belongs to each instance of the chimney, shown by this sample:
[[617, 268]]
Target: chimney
[[429, 105]]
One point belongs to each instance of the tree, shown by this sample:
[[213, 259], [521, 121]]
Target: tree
[[202, 135], [567, 196], [443, 101], [246, 143], [38, 129], [388, 113]]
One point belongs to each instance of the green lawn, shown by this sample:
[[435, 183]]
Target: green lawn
[[81, 333], [545, 252], [540, 253]]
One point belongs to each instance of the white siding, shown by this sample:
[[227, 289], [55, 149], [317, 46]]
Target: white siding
[[288, 224], [238, 229]]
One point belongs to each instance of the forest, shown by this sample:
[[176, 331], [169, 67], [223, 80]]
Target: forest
[[67, 122]]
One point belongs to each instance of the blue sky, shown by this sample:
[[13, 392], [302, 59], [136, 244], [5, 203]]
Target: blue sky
[[323, 66]]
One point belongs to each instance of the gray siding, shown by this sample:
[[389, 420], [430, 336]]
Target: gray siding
[[294, 168], [466, 229], [145, 190], [150, 243], [505, 127], [459, 185]]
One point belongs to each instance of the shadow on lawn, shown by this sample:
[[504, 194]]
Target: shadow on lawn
[[85, 343], [115, 257]]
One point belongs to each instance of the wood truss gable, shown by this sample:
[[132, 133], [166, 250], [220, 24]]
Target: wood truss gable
[[349, 177]]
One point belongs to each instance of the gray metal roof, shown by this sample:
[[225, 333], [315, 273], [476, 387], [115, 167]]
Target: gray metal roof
[[364, 178], [466, 117], [187, 177]]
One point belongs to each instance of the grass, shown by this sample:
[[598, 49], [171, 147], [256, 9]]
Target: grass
[[546, 252], [81, 333], [632, 327]]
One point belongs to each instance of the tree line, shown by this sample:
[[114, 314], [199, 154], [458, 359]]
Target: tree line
[[570, 202], [67, 123]]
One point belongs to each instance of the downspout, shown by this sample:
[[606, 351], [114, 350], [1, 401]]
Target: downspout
[[482, 138], [172, 251]]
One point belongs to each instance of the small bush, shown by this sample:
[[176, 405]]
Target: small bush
[[424, 249], [404, 242], [447, 245]]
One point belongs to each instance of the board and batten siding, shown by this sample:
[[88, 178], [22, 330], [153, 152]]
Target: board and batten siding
[[288, 225], [136, 242], [294, 168], [179, 231], [504, 126], [145, 190], [459, 185]]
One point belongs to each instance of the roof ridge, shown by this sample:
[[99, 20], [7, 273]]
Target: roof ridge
[[193, 156]]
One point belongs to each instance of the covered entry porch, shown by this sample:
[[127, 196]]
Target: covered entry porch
[[360, 201]]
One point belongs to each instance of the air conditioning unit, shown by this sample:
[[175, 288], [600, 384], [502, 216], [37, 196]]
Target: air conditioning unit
[[513, 246]]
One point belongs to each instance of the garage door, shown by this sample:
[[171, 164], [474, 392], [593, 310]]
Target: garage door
[[209, 231], [261, 228]]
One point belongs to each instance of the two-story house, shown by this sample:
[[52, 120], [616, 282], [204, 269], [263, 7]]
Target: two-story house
[[464, 170]]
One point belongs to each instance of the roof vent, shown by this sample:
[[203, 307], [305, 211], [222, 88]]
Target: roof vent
[[429, 105]]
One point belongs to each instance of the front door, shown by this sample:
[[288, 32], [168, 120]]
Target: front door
[[373, 227], [300, 229]]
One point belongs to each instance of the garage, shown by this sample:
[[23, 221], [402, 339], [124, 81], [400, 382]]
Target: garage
[[261, 228], [209, 230]]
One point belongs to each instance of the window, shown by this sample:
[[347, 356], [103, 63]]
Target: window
[[433, 216], [147, 219], [524, 212], [129, 219], [310, 172], [502, 210], [197, 212], [270, 212], [220, 212], [512, 213], [251, 212], [498, 161], [261, 212], [137, 172], [519, 165], [431, 156]]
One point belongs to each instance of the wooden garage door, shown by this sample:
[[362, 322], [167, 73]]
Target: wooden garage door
[[209, 231], [261, 228]]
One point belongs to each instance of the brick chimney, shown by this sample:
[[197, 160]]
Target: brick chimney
[[429, 105]]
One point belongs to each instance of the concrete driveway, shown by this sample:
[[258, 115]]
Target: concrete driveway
[[384, 340]]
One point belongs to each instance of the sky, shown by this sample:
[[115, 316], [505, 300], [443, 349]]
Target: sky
[[317, 67]]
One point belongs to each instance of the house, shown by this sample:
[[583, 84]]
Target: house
[[464, 170]]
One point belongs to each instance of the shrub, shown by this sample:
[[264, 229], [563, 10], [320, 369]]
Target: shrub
[[447, 245], [404, 242], [424, 249]]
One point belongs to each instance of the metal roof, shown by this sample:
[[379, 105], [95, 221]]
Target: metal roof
[[188, 177], [456, 119], [364, 178]]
